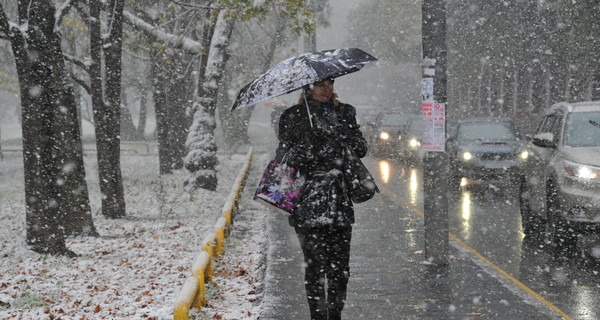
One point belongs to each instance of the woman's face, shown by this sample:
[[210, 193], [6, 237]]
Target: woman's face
[[322, 91]]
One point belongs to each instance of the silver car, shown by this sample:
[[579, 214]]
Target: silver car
[[563, 179], [486, 150]]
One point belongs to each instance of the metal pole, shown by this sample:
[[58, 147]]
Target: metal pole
[[435, 164]]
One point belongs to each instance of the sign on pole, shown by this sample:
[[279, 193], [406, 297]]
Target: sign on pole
[[434, 117], [434, 126]]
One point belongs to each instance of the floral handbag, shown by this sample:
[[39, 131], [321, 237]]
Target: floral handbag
[[280, 186]]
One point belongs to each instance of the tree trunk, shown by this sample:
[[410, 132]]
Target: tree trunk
[[496, 87], [56, 195], [107, 113], [201, 159], [538, 94], [578, 85], [521, 91], [173, 95], [141, 127], [172, 91], [128, 130]]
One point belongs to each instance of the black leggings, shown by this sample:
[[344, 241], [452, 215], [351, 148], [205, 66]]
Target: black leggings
[[327, 257]]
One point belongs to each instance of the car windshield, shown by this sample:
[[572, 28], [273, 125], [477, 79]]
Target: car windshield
[[393, 119], [583, 129], [486, 131]]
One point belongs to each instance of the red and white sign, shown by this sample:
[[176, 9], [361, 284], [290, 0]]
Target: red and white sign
[[434, 126]]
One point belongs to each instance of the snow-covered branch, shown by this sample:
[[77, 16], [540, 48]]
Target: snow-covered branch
[[82, 83], [85, 65], [209, 7], [178, 42], [11, 29]]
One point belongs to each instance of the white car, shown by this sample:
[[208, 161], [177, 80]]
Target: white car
[[562, 185]]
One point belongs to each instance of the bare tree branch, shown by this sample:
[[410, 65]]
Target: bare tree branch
[[209, 7], [77, 62], [63, 10], [80, 82], [135, 55], [177, 18]]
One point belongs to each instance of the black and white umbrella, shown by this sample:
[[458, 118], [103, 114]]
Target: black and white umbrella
[[297, 72]]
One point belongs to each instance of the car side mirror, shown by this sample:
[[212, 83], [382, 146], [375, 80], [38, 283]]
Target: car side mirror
[[544, 140]]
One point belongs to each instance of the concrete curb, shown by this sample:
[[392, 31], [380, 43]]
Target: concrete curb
[[193, 293]]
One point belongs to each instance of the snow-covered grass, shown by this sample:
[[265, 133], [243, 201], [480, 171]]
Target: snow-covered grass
[[135, 269]]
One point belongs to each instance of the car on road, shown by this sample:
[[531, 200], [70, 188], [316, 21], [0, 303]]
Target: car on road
[[488, 150], [562, 185], [410, 150], [389, 134]]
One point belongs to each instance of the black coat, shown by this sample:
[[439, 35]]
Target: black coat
[[319, 153]]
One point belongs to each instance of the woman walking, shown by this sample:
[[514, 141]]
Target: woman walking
[[315, 139]]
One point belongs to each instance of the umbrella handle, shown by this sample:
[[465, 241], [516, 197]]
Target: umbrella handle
[[307, 109]]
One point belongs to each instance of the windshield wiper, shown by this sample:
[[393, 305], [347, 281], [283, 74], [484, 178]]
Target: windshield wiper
[[595, 124]]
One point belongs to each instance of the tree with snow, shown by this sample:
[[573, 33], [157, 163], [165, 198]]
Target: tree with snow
[[56, 194], [201, 159]]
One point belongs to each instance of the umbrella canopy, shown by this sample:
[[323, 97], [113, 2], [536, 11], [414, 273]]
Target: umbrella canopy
[[297, 72]]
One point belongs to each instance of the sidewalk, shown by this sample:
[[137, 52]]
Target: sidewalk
[[389, 279]]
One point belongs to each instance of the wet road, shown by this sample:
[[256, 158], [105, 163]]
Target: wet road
[[487, 221]]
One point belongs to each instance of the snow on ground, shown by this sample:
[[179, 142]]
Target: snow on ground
[[135, 269]]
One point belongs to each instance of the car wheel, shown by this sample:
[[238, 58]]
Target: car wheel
[[531, 222], [562, 235]]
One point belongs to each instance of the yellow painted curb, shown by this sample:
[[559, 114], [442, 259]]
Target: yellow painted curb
[[185, 298], [220, 231], [198, 271], [193, 292]]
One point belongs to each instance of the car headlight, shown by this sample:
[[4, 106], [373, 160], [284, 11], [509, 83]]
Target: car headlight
[[399, 137], [524, 155], [581, 171], [384, 135], [413, 143], [467, 156]]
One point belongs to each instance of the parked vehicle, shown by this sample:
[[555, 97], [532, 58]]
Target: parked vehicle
[[486, 150], [389, 133], [562, 185]]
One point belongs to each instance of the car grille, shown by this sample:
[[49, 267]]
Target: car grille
[[496, 156]]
